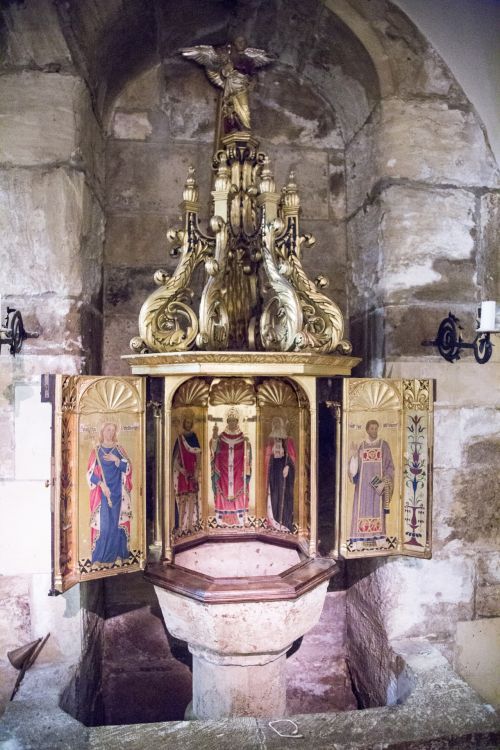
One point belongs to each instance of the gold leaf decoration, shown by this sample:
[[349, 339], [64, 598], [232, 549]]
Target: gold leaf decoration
[[232, 391], [373, 394], [276, 393], [416, 394], [110, 395], [69, 393], [192, 393]]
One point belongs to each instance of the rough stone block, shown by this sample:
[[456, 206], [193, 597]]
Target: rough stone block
[[444, 505], [131, 126], [464, 391], [188, 102], [363, 253], [15, 628], [6, 441], [344, 73], [447, 438], [476, 511], [311, 174], [478, 657], [37, 117], [466, 502], [362, 163], [488, 584], [416, 67], [150, 177], [38, 723], [15, 621], [142, 92], [431, 262], [338, 206], [285, 118], [419, 141], [34, 36], [92, 248], [430, 76], [55, 319], [90, 152], [41, 219], [118, 331], [408, 597], [317, 678], [125, 291], [61, 616], [406, 326], [488, 247], [135, 239]]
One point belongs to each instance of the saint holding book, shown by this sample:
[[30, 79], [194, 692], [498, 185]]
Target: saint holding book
[[371, 469]]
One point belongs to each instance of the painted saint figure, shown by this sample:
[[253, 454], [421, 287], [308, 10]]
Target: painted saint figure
[[186, 472], [371, 469], [109, 476], [280, 461], [231, 460]]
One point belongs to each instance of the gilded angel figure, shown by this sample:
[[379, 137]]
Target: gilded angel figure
[[230, 68]]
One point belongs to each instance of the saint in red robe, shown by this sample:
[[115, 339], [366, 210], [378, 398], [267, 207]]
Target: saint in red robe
[[231, 472]]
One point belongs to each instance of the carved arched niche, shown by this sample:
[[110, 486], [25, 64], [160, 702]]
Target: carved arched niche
[[239, 453]]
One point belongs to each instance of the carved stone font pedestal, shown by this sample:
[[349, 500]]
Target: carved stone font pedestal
[[238, 643]]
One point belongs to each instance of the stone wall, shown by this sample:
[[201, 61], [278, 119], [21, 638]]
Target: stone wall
[[398, 184], [51, 223], [422, 197]]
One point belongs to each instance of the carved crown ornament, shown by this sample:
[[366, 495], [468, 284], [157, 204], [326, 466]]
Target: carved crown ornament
[[256, 295]]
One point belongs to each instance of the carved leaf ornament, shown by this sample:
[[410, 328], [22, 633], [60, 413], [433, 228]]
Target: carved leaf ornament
[[257, 294]]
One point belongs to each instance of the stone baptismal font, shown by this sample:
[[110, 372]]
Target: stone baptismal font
[[232, 352]]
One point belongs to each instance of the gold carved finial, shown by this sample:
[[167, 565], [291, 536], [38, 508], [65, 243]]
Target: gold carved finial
[[256, 293], [190, 192], [267, 184], [223, 177], [291, 199]]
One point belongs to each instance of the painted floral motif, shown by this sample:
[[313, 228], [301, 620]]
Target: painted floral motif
[[416, 481]]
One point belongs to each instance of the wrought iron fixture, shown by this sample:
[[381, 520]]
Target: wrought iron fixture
[[13, 332], [449, 339]]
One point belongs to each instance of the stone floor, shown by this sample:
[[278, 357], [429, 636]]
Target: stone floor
[[146, 678], [441, 712]]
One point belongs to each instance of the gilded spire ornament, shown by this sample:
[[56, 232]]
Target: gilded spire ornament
[[231, 68], [256, 294]]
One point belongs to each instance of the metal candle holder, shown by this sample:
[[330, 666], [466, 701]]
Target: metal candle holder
[[450, 343], [13, 333]]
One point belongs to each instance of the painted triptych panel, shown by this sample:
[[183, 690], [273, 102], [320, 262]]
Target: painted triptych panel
[[386, 468], [99, 488], [240, 457]]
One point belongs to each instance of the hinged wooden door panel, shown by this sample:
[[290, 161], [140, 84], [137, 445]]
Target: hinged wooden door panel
[[386, 480], [99, 476]]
